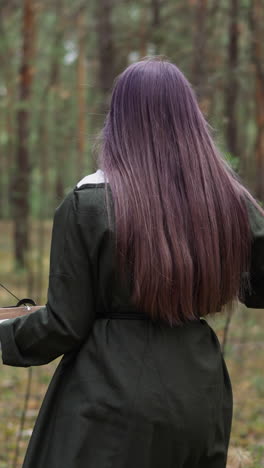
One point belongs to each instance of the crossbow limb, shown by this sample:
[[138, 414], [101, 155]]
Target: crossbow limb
[[23, 307]]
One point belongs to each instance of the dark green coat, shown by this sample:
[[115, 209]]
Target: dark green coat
[[127, 393]]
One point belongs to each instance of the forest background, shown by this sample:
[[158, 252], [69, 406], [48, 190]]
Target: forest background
[[59, 59]]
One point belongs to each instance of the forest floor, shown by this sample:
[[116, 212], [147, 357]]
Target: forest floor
[[244, 359]]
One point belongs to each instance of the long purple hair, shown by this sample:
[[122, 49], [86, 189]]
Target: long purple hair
[[180, 217]]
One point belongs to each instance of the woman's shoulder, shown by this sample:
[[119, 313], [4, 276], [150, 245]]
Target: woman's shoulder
[[90, 194]]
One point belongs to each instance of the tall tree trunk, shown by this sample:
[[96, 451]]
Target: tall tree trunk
[[156, 6], [10, 146], [7, 159], [81, 92], [42, 214], [200, 51], [106, 52], [199, 44], [22, 179], [260, 136], [231, 93], [143, 32], [57, 108], [257, 34]]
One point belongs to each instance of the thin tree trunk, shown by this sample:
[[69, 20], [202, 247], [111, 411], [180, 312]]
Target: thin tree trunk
[[81, 93], [8, 150], [199, 45], [143, 32], [42, 215], [232, 81], [260, 136], [156, 24], [10, 147], [57, 110], [200, 52], [257, 31], [106, 53], [22, 179]]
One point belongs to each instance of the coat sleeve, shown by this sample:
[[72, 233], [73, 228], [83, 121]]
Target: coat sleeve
[[253, 297], [63, 324]]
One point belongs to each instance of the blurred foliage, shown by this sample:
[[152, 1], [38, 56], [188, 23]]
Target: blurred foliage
[[233, 161]]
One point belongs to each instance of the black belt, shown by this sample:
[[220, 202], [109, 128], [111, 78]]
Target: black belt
[[135, 316], [124, 315]]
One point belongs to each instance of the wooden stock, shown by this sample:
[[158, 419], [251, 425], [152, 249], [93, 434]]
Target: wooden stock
[[13, 312]]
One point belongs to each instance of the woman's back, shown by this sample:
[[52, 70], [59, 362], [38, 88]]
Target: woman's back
[[137, 392], [133, 270]]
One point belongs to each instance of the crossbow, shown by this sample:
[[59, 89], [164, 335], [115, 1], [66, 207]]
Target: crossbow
[[23, 307]]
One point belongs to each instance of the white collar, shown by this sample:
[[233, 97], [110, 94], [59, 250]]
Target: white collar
[[94, 178]]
